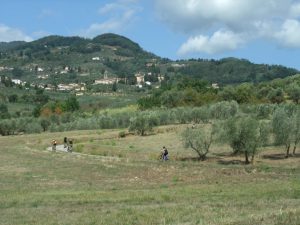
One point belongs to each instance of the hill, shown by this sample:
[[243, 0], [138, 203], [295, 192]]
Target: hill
[[56, 59], [232, 70], [5, 46]]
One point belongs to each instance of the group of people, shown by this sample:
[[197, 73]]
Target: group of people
[[68, 144]]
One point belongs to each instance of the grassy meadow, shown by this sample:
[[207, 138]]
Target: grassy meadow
[[121, 181]]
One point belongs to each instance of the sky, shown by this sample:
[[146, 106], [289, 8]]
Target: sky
[[262, 31]]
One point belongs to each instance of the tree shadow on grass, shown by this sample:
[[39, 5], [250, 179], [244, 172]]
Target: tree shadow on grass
[[279, 156], [231, 162], [191, 159]]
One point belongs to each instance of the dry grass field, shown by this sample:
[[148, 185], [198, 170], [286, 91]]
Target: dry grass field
[[120, 181]]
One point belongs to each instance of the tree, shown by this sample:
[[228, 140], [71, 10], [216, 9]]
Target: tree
[[224, 110], [71, 104], [114, 87], [283, 128], [17, 72], [294, 93], [45, 124], [276, 96], [140, 124], [4, 114], [198, 139], [296, 132], [13, 98], [244, 135]]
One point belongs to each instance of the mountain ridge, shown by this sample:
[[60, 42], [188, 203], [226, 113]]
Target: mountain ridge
[[120, 57]]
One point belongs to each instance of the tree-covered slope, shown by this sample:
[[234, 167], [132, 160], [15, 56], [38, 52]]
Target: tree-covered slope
[[76, 59], [232, 70]]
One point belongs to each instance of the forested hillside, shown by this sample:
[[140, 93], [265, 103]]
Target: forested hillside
[[57, 59]]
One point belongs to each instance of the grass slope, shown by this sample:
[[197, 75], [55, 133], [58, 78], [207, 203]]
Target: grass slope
[[41, 187]]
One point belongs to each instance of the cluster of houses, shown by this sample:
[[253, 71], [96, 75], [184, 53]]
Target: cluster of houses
[[5, 68], [106, 80]]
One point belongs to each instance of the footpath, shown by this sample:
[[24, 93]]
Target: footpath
[[60, 148]]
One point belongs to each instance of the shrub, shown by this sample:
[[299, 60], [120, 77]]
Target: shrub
[[122, 134]]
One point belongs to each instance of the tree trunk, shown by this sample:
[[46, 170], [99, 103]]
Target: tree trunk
[[202, 157], [246, 158], [252, 158], [288, 151], [294, 150]]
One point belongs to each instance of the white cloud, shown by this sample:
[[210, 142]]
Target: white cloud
[[295, 10], [252, 19], [12, 34], [220, 41], [110, 7], [289, 35], [120, 15]]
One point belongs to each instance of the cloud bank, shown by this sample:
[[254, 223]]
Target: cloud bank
[[8, 34], [217, 26]]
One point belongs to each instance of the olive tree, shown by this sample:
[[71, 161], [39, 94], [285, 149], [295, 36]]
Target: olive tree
[[198, 139], [286, 128], [140, 124], [283, 129], [296, 132], [245, 135], [294, 92], [224, 110]]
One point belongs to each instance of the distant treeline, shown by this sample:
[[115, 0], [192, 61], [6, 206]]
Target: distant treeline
[[183, 91]]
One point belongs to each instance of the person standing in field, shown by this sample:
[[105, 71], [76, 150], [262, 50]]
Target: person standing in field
[[165, 154], [70, 145], [54, 145], [65, 142]]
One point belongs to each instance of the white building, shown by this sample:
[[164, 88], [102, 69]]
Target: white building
[[16, 81], [140, 78]]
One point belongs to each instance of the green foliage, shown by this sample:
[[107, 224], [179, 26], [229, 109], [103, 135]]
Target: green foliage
[[13, 98], [181, 91], [122, 134], [6, 81], [17, 72], [224, 110], [141, 124], [286, 128], [244, 135], [117, 40], [243, 93], [276, 95], [232, 70], [294, 92], [4, 114], [264, 111], [45, 124], [71, 104], [198, 139]]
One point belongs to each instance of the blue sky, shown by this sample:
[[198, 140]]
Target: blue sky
[[263, 31]]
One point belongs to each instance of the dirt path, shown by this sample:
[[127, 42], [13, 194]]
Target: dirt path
[[60, 148]]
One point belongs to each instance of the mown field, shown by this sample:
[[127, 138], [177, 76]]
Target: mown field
[[120, 181]]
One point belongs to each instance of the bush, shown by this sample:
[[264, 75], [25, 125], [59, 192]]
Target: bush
[[122, 134]]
